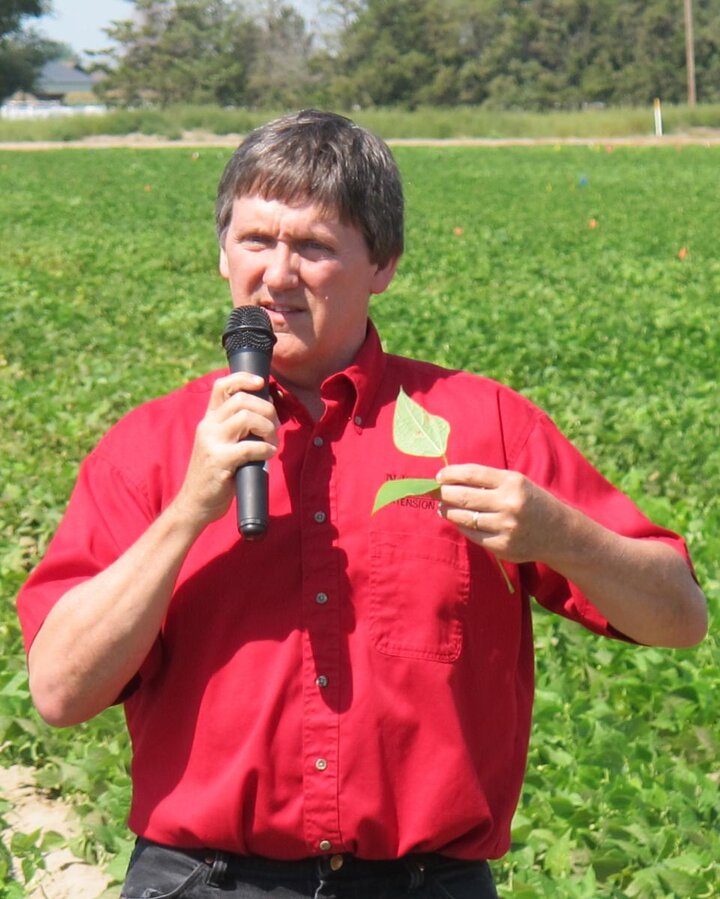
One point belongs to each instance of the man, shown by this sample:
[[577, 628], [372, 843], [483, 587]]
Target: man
[[343, 708]]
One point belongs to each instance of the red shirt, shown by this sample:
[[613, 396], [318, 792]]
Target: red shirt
[[352, 683]]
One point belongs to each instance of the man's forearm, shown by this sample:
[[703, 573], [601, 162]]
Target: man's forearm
[[644, 588], [97, 636]]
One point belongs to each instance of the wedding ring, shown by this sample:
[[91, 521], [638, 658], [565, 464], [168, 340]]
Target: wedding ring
[[476, 520]]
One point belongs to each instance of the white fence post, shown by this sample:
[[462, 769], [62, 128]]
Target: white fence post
[[657, 109]]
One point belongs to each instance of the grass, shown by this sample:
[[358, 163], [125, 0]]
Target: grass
[[586, 279], [425, 122]]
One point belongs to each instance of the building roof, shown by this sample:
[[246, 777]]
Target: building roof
[[62, 78]]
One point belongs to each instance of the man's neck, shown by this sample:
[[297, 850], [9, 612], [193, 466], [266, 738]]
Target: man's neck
[[311, 399]]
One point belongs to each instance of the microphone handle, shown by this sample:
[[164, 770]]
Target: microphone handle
[[251, 479]]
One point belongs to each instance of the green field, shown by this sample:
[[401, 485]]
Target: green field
[[586, 279]]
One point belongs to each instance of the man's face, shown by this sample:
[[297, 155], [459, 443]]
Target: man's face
[[313, 276]]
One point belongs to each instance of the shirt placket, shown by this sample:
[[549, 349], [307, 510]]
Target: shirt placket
[[321, 644]]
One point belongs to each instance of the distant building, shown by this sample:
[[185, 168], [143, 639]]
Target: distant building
[[59, 79], [61, 89]]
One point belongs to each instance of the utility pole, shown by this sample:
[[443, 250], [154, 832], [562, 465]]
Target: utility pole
[[690, 52]]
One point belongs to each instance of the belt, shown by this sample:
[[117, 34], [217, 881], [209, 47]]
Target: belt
[[228, 866], [340, 864]]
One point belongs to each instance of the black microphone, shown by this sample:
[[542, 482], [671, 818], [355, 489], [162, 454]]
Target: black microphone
[[248, 340]]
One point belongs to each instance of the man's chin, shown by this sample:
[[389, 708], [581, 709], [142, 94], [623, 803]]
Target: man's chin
[[291, 361]]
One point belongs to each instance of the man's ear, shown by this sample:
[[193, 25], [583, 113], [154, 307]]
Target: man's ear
[[384, 275], [223, 264]]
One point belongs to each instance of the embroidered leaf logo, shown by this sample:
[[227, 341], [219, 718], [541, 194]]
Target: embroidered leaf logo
[[417, 432]]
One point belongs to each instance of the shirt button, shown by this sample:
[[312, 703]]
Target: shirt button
[[321, 681], [318, 441], [336, 862], [319, 517], [321, 599], [325, 845], [358, 420], [321, 764]]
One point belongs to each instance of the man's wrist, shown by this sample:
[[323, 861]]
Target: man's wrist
[[183, 520]]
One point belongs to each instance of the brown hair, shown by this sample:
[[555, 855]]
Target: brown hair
[[326, 159]]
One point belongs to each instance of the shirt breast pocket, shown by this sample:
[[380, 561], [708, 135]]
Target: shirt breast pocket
[[419, 589]]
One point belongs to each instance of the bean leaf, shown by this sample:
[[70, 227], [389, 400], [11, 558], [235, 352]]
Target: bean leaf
[[399, 489], [417, 432]]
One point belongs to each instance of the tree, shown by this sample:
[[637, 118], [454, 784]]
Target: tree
[[531, 54], [175, 51], [22, 53], [199, 51], [280, 74], [12, 13], [390, 50]]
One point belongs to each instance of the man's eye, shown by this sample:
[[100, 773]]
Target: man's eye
[[315, 247], [256, 240]]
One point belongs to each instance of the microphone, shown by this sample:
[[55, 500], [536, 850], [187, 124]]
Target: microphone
[[248, 340]]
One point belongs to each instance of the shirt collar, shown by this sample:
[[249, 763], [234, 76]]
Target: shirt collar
[[360, 380], [365, 373]]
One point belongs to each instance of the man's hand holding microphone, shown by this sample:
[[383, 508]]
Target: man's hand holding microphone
[[238, 433]]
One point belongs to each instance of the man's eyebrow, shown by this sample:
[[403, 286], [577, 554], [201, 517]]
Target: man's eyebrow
[[251, 229], [319, 231]]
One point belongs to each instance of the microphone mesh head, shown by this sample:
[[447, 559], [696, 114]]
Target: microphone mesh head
[[248, 328]]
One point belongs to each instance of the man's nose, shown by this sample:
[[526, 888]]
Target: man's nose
[[281, 272]]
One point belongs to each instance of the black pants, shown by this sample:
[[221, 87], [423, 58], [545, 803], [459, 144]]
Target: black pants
[[165, 873]]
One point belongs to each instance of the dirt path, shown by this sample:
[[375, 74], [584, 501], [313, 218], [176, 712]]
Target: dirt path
[[199, 140], [66, 877]]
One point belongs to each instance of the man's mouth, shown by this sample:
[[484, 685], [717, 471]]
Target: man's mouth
[[280, 311]]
